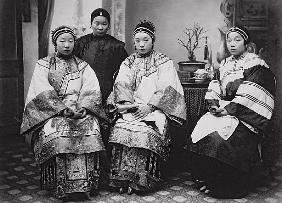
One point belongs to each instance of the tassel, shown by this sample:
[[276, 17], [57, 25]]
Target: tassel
[[210, 55], [206, 50]]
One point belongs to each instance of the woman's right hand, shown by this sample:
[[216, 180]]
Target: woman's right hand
[[80, 113], [213, 109], [142, 111], [123, 108]]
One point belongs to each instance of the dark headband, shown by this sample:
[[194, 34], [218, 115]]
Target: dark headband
[[147, 27], [59, 31], [241, 31]]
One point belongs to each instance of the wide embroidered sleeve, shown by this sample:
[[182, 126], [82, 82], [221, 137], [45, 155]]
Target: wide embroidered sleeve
[[90, 94], [42, 101], [169, 95], [124, 85]]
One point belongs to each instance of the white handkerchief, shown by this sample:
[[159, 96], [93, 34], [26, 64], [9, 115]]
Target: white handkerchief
[[208, 123]]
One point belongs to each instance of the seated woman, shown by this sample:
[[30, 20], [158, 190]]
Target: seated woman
[[241, 103], [147, 93], [61, 119]]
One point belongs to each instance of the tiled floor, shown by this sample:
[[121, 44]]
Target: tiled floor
[[19, 182]]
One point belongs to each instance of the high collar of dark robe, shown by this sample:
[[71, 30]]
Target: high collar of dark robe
[[105, 36]]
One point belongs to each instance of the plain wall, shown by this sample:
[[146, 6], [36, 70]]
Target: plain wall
[[170, 18], [30, 45]]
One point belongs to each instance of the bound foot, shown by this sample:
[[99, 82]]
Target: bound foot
[[198, 184], [121, 190], [130, 190], [204, 189]]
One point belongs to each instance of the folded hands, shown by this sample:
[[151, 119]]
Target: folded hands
[[218, 111], [74, 114]]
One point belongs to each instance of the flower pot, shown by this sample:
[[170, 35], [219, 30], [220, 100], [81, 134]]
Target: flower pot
[[187, 69], [191, 66]]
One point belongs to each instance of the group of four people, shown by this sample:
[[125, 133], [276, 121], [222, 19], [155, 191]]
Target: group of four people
[[91, 81]]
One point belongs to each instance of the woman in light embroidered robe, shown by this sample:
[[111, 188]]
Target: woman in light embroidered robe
[[61, 116], [241, 103], [147, 94]]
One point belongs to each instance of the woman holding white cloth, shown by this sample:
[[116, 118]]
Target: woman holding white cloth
[[241, 102]]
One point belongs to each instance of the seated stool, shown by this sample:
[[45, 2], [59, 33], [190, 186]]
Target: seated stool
[[70, 173]]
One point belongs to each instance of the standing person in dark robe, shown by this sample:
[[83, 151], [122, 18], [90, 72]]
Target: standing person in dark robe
[[241, 102], [101, 51], [104, 54]]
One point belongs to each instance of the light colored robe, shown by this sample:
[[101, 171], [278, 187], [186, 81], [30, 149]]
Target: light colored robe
[[148, 80], [58, 84]]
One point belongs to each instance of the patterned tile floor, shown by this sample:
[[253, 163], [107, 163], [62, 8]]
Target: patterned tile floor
[[19, 182]]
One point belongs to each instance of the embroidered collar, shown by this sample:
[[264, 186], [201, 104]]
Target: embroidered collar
[[233, 58], [62, 56], [145, 55]]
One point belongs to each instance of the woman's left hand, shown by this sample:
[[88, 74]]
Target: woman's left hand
[[142, 111], [80, 113], [221, 112]]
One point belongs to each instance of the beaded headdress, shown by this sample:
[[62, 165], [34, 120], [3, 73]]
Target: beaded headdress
[[147, 27], [61, 30], [240, 30]]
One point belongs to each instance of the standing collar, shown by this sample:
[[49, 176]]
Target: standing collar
[[62, 56], [145, 55], [233, 58]]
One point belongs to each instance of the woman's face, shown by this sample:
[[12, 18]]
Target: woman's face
[[143, 43], [65, 43], [235, 44], [100, 25]]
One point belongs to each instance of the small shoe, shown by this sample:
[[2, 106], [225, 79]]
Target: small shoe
[[203, 188], [207, 191], [121, 190], [198, 184], [130, 190]]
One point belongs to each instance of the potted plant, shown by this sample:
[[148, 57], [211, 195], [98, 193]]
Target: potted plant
[[194, 36]]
